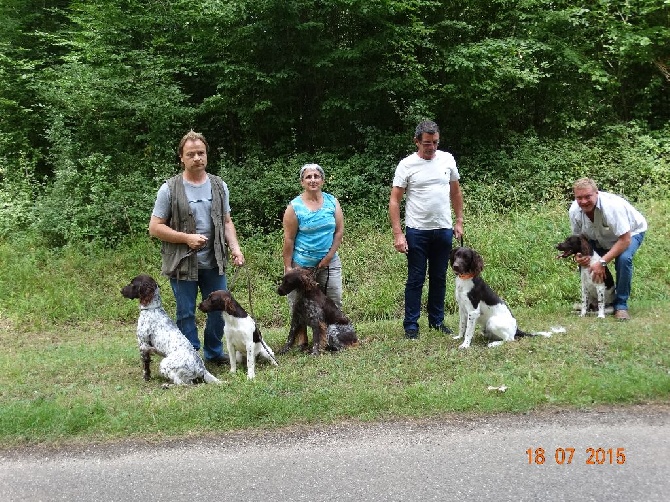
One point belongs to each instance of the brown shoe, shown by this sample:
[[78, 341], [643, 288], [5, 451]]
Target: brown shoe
[[621, 315]]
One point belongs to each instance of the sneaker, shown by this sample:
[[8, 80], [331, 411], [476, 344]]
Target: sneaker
[[442, 329], [220, 361], [412, 334]]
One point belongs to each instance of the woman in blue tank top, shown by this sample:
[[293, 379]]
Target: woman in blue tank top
[[313, 229]]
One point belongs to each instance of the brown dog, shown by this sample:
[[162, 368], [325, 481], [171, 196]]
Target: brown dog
[[331, 329]]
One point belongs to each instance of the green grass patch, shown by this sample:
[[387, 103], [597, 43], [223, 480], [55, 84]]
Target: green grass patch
[[84, 383]]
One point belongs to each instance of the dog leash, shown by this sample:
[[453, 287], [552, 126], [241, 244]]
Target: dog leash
[[229, 284], [325, 284]]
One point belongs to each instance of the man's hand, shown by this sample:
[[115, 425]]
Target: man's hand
[[596, 270], [238, 257], [400, 243], [196, 241], [582, 261]]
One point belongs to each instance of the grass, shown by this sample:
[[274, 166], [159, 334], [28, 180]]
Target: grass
[[70, 370]]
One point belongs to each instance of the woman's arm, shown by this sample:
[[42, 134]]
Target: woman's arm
[[290, 224]]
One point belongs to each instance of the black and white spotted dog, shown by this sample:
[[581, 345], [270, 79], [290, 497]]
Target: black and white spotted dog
[[331, 329], [594, 294], [479, 304], [158, 334], [240, 330]]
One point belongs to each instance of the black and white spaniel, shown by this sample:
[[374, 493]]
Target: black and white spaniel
[[593, 293], [331, 329], [158, 334], [242, 335], [479, 304]]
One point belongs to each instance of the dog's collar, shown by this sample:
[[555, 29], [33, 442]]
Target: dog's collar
[[154, 307], [465, 277]]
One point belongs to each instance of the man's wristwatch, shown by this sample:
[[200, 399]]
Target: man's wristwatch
[[603, 263]]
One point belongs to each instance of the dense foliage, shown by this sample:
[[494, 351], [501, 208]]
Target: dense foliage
[[95, 94]]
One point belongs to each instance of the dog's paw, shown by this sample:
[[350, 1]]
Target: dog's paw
[[457, 337], [497, 343], [463, 346]]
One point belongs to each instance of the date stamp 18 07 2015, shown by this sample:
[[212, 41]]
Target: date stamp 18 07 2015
[[566, 456]]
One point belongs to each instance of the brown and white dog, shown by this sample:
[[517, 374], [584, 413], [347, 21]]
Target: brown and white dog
[[331, 329], [593, 293], [479, 304], [242, 335]]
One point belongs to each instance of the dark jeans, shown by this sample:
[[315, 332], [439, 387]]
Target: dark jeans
[[427, 249], [186, 295]]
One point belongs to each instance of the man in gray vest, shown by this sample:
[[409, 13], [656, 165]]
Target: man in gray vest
[[191, 216]]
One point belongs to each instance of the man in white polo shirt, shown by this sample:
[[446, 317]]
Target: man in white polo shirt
[[428, 179], [616, 230]]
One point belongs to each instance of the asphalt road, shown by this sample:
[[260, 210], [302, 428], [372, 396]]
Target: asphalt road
[[611, 454]]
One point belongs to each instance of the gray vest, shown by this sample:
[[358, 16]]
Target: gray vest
[[179, 261]]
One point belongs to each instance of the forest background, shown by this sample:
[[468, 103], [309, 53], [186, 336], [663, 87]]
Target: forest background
[[529, 94]]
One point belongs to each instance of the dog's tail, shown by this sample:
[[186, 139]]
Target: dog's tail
[[269, 352], [209, 378], [547, 334]]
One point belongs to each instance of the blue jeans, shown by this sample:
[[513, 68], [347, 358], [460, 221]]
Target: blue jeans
[[186, 294], [623, 266], [426, 249]]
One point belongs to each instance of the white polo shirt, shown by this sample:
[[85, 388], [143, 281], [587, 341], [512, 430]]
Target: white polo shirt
[[613, 217]]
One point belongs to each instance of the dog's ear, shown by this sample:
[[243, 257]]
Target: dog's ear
[[146, 290], [586, 246], [477, 262], [451, 255]]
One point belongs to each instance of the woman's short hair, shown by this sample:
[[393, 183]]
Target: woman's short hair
[[316, 167]]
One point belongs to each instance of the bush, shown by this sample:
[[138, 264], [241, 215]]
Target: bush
[[18, 188]]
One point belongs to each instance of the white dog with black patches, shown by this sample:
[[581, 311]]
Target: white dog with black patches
[[158, 334], [242, 335], [593, 293], [479, 304]]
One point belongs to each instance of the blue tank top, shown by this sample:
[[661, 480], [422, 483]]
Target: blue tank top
[[315, 231]]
